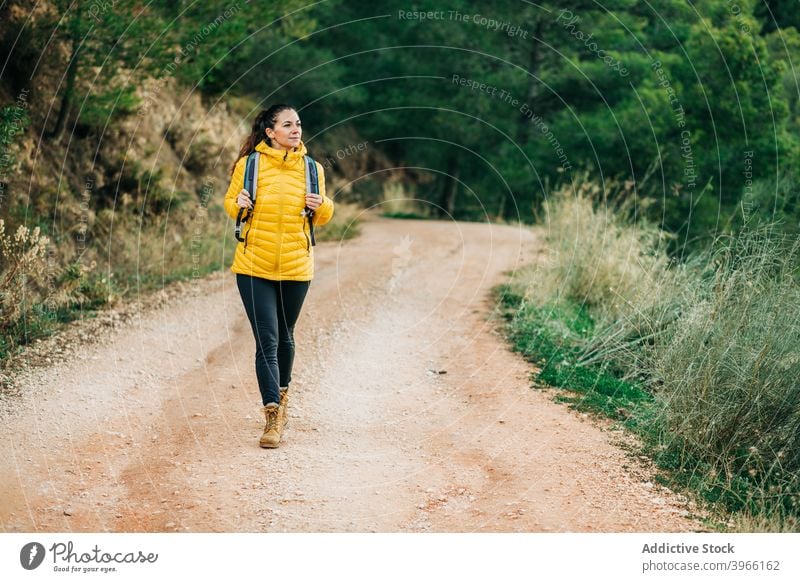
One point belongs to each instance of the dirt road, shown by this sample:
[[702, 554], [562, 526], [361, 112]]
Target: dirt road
[[408, 413]]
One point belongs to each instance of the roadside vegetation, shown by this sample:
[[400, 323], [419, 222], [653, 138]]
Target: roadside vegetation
[[699, 357]]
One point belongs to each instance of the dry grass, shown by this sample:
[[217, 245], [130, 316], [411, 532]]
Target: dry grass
[[715, 340], [398, 202], [599, 259]]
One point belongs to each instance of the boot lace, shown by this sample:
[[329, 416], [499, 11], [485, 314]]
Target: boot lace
[[272, 418]]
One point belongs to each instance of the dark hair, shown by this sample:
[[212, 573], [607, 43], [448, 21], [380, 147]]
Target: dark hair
[[267, 118]]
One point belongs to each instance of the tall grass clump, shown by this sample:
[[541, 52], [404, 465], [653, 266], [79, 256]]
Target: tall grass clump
[[400, 202], [589, 303], [727, 373], [700, 357], [37, 294], [597, 257], [23, 270], [601, 258]]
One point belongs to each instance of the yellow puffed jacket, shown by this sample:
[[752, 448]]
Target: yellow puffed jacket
[[277, 241]]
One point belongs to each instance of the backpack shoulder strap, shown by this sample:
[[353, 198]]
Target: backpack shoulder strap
[[251, 175], [312, 179], [312, 185], [251, 185]]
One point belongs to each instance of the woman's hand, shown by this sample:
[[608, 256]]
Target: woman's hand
[[313, 201], [243, 200]]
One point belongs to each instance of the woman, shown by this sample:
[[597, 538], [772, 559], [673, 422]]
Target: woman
[[274, 264]]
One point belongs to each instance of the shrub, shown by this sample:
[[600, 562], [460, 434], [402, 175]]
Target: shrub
[[727, 369], [13, 122], [23, 271], [599, 258], [714, 340]]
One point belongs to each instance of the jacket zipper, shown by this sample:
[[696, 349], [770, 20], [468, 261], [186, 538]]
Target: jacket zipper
[[280, 222], [279, 245]]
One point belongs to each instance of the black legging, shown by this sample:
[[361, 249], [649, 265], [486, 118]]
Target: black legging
[[272, 308]]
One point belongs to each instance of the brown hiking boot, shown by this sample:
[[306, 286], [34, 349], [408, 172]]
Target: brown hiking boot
[[273, 428], [282, 416]]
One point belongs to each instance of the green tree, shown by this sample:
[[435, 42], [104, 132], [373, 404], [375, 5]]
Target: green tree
[[777, 14], [218, 44], [111, 47], [488, 108]]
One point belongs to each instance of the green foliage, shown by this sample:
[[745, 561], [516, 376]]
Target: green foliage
[[13, 122], [110, 48], [703, 365], [404, 215], [99, 108], [488, 115], [677, 99], [728, 368], [39, 322], [552, 336], [491, 114], [777, 14], [239, 47], [771, 202]]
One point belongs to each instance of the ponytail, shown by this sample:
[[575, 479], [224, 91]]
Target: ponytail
[[263, 120]]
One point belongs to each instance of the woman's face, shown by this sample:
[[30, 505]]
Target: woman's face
[[287, 131]]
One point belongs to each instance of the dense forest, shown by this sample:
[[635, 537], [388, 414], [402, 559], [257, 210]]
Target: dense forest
[[484, 107]]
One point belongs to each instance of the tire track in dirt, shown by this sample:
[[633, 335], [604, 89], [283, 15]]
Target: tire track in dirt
[[407, 413]]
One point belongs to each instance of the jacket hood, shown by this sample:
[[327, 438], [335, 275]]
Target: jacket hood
[[296, 153]]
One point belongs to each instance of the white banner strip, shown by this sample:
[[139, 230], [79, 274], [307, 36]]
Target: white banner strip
[[299, 557]]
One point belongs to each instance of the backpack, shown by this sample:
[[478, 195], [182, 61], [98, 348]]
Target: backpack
[[250, 184]]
